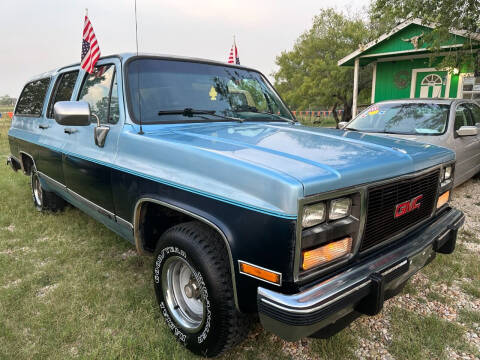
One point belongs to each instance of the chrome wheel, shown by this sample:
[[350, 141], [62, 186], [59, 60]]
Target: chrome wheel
[[37, 191], [182, 294]]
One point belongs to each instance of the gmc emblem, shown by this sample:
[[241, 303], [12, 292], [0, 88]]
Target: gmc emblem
[[407, 206]]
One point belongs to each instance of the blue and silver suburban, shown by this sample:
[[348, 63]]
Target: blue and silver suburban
[[245, 211]]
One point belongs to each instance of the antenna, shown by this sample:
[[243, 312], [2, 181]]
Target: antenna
[[138, 74]]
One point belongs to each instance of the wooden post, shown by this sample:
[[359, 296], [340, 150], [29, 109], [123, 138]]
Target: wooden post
[[374, 80], [355, 87]]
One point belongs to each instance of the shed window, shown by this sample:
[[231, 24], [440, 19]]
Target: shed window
[[471, 87]]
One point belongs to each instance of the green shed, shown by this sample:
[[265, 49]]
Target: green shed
[[402, 66]]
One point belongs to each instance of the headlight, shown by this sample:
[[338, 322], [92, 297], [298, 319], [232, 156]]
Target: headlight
[[313, 215], [339, 208], [447, 173]]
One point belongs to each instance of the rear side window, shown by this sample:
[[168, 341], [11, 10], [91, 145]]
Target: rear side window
[[32, 98], [63, 90]]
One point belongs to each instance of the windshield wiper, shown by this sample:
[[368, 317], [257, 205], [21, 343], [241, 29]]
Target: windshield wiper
[[279, 117], [189, 112]]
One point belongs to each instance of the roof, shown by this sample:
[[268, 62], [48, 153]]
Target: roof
[[363, 50], [128, 55]]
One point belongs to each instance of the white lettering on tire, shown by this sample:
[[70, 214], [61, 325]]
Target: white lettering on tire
[[198, 277]]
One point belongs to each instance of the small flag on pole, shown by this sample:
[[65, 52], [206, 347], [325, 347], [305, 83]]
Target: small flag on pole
[[233, 57], [90, 48]]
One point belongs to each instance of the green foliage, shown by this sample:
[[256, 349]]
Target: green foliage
[[7, 100], [309, 76], [444, 15]]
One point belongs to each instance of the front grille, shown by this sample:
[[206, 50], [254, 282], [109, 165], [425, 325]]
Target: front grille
[[381, 223]]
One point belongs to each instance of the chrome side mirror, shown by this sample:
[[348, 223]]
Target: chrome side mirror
[[467, 131], [342, 124], [72, 113], [100, 132]]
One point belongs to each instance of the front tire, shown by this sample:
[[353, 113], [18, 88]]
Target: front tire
[[44, 200], [194, 289]]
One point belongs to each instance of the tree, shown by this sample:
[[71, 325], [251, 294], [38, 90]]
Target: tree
[[308, 76], [443, 15]]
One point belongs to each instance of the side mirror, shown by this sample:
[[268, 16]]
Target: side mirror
[[467, 131], [72, 113], [342, 124]]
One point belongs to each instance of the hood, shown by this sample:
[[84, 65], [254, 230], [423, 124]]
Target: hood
[[320, 159]]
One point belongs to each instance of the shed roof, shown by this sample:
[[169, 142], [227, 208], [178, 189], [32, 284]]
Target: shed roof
[[401, 41]]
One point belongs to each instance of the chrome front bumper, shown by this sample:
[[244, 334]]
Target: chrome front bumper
[[362, 288]]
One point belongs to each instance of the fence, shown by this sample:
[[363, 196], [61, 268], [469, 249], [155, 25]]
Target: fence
[[316, 113]]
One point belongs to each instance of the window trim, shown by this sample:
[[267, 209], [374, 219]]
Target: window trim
[[465, 105], [198, 61], [49, 78], [469, 106], [55, 88], [85, 77]]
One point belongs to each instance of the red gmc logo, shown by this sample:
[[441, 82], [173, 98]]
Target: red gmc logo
[[407, 206]]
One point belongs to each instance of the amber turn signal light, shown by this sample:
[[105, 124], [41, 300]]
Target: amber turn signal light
[[326, 253], [443, 199], [260, 273]]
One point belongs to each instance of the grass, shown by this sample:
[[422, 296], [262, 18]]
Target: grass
[[423, 337], [70, 288], [327, 121]]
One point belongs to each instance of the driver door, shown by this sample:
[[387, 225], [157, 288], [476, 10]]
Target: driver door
[[87, 166], [466, 147]]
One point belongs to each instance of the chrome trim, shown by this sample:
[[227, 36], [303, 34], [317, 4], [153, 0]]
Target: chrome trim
[[363, 190], [395, 267], [445, 234], [51, 180], [9, 162], [321, 306], [355, 242], [89, 203], [31, 157], [333, 289], [124, 222], [260, 267], [140, 250]]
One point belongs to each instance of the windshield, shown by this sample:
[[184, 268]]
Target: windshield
[[406, 118], [161, 90]]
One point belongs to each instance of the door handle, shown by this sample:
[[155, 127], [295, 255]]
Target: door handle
[[69, 131], [43, 127]]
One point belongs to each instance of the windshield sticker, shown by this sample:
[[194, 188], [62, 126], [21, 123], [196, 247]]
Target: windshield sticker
[[373, 110], [213, 94]]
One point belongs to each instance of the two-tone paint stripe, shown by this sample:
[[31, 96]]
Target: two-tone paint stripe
[[162, 181]]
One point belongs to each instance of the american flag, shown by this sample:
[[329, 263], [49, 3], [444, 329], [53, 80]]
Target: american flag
[[90, 48], [233, 57]]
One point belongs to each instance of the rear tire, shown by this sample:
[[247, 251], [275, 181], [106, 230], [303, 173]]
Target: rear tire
[[44, 200], [193, 285]]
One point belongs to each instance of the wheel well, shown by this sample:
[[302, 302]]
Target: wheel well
[[154, 220], [27, 163]]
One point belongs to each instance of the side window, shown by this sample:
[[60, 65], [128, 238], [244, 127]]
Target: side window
[[475, 109], [32, 98], [100, 91], [463, 117], [63, 90]]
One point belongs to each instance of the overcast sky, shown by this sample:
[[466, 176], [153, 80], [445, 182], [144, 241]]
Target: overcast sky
[[38, 36]]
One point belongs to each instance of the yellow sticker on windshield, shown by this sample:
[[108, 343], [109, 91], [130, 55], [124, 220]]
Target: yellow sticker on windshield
[[373, 110], [213, 94]]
